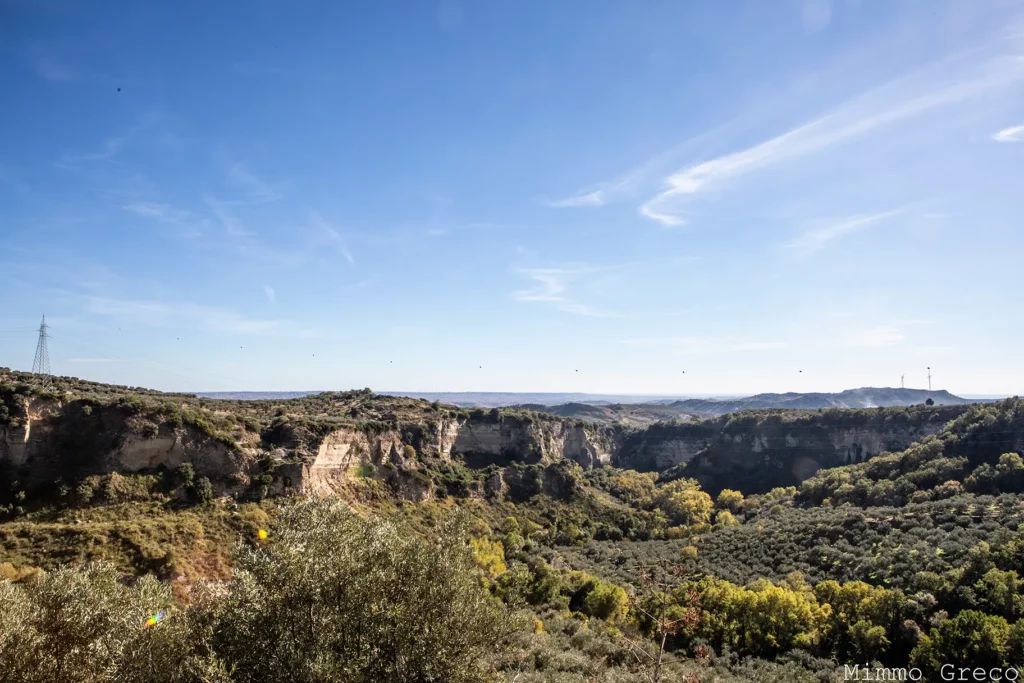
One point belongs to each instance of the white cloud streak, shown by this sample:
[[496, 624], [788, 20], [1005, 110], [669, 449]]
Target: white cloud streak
[[160, 212], [760, 346], [256, 190], [333, 236], [817, 239], [875, 338], [1012, 134], [895, 102], [231, 223], [271, 294], [631, 181], [91, 360], [595, 198], [251, 191], [550, 286], [685, 345], [171, 314], [57, 71]]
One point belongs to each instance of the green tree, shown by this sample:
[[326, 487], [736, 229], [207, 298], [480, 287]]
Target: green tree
[[203, 491], [607, 601], [971, 638], [86, 625], [184, 475], [337, 597], [724, 518], [683, 502], [729, 500]]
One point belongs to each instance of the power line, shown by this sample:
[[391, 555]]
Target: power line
[[41, 363]]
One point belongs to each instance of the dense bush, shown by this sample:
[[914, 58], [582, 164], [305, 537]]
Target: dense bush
[[329, 596]]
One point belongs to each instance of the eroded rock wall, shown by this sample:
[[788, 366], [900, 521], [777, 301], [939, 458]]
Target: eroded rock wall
[[70, 441], [761, 456]]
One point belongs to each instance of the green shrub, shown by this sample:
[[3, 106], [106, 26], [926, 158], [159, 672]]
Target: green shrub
[[376, 604], [203, 490]]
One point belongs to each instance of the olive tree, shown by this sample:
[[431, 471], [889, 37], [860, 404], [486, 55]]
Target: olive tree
[[332, 596], [86, 624]]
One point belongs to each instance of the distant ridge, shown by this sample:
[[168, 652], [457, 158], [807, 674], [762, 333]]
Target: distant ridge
[[476, 399], [865, 397], [649, 408], [254, 395]]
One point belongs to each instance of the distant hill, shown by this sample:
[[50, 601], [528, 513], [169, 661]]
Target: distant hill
[[865, 397], [468, 399], [255, 395], [659, 410], [500, 399], [641, 409], [628, 414]]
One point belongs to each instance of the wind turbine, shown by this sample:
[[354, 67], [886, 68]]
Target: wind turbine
[[929, 378], [902, 386]]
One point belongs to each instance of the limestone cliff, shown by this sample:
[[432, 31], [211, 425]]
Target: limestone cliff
[[322, 443], [479, 442], [49, 440], [756, 452]]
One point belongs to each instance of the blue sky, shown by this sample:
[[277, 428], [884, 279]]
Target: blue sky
[[636, 197]]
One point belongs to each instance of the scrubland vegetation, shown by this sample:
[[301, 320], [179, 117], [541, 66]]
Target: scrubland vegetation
[[910, 559]]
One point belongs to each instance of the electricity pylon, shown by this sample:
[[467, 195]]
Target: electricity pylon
[[41, 364]]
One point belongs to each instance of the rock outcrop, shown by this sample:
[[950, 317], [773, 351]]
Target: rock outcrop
[[45, 439], [755, 454], [51, 440]]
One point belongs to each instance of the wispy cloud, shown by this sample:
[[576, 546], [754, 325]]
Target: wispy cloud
[[170, 314], [231, 223], [247, 190], [55, 70], [686, 344], [271, 294], [683, 345], [550, 285], [51, 70], [106, 167], [632, 180], [255, 189], [668, 219], [91, 360], [898, 101], [818, 238], [595, 198], [333, 236], [109, 150], [931, 350], [1012, 134], [253, 69], [875, 337], [161, 212], [760, 346]]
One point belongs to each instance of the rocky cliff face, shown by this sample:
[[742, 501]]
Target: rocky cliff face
[[78, 439], [46, 439], [52, 440], [19, 443], [761, 455], [347, 453]]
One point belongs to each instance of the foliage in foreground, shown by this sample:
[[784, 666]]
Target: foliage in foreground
[[329, 596]]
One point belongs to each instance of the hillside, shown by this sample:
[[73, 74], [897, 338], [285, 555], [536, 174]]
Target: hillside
[[648, 412], [866, 397], [788, 542], [625, 414], [321, 441]]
